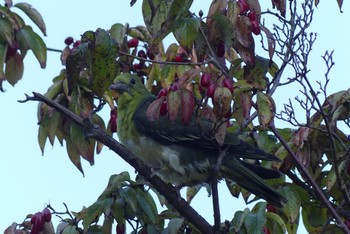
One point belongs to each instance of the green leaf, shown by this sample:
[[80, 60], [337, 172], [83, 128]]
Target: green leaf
[[266, 108], [94, 211], [33, 14], [314, 217], [73, 154], [117, 33], [35, 43], [70, 229], [175, 225], [238, 219], [292, 207], [14, 69], [42, 136], [192, 191], [154, 15], [275, 223], [254, 222], [6, 30], [147, 204], [186, 31], [84, 146], [3, 51]]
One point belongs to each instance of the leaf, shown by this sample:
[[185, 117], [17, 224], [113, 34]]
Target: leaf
[[186, 31], [6, 31], [33, 14], [275, 223], [314, 217], [153, 109], [187, 105], [147, 205], [35, 43], [3, 50], [73, 154], [192, 191], [222, 101], [238, 219], [154, 15], [42, 136], [254, 222], [117, 33], [266, 109], [281, 6], [84, 146], [173, 104], [14, 69], [271, 42], [292, 207], [340, 4], [94, 211], [175, 225]]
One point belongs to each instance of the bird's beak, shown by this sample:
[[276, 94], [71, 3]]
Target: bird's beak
[[119, 87]]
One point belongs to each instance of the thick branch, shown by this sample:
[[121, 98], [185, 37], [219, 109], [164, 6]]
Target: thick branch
[[168, 191]]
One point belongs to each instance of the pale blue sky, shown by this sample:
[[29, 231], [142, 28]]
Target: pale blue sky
[[28, 180]]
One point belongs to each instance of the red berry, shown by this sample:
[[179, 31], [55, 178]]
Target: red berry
[[38, 221], [76, 43], [271, 208], [142, 54], [113, 120], [150, 54], [138, 66], [120, 228], [228, 84], [211, 90], [133, 42], [220, 49], [205, 80], [266, 230], [163, 108], [68, 41], [244, 7], [255, 27], [179, 58], [251, 15], [46, 215], [162, 93]]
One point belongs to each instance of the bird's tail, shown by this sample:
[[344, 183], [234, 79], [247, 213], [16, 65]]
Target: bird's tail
[[233, 169]]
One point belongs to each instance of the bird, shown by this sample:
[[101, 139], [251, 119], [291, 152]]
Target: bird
[[185, 155]]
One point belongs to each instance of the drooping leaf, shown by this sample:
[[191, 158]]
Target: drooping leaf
[[271, 42], [33, 14], [73, 154], [266, 109], [42, 137], [222, 101], [275, 223], [3, 51], [94, 211], [6, 31], [117, 32], [147, 205], [187, 105], [340, 4], [153, 109], [14, 69], [35, 43], [281, 6], [84, 146], [173, 104]]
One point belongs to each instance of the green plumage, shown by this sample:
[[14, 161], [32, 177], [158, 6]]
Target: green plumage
[[185, 154]]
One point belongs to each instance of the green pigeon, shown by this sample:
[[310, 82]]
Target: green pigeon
[[186, 154]]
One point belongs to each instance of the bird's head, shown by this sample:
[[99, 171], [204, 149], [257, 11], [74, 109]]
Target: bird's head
[[128, 85]]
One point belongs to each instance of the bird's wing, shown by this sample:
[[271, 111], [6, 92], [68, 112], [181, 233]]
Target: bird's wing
[[195, 134]]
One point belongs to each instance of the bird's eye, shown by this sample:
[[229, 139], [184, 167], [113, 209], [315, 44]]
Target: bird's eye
[[132, 81]]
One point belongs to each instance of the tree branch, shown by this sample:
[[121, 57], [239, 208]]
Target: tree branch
[[167, 190]]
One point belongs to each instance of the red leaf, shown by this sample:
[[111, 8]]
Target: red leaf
[[187, 105], [271, 43], [154, 108], [174, 101]]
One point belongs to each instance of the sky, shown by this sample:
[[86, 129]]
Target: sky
[[30, 180]]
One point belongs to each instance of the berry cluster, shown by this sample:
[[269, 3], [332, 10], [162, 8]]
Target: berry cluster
[[251, 14], [133, 43], [70, 40], [38, 220], [210, 86]]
